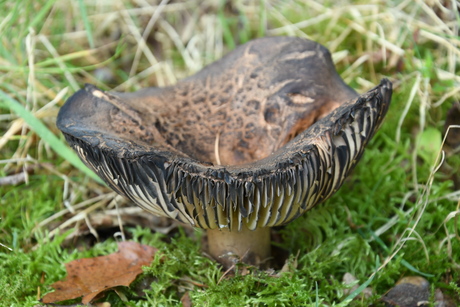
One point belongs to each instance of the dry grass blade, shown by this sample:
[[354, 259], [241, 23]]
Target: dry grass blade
[[421, 204], [148, 29]]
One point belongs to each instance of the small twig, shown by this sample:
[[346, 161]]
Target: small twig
[[195, 283], [6, 246], [23, 176], [216, 148], [13, 179], [76, 207], [226, 273], [232, 266]]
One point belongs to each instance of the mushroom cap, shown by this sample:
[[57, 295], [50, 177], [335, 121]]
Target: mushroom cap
[[252, 140]]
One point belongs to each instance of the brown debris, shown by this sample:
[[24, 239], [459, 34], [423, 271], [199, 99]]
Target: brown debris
[[185, 300], [89, 277]]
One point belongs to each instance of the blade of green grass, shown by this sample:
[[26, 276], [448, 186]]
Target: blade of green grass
[[57, 70], [360, 289], [263, 19], [226, 31], [317, 294], [245, 32], [413, 269], [403, 262], [41, 15], [84, 16], [46, 135], [66, 57]]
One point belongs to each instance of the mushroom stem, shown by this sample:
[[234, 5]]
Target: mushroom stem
[[248, 246]]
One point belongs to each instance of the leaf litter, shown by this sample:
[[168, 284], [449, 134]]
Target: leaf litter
[[88, 277]]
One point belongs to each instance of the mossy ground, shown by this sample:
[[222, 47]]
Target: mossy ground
[[395, 216]]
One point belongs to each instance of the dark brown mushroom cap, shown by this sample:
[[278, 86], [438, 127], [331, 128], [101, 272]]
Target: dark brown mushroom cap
[[283, 125]]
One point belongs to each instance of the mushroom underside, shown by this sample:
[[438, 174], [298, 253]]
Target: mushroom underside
[[265, 193]]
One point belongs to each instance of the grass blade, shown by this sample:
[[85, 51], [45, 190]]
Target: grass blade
[[226, 31], [403, 262], [363, 286], [84, 16], [46, 135], [41, 15]]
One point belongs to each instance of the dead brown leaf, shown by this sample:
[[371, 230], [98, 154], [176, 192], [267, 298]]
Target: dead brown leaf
[[185, 300], [89, 277]]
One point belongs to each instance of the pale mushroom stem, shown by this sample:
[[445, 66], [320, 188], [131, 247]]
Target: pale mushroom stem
[[248, 246]]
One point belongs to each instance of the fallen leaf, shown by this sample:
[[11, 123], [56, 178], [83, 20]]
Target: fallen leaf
[[185, 300], [89, 277]]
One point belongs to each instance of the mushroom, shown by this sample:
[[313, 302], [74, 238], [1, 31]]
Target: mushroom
[[251, 141]]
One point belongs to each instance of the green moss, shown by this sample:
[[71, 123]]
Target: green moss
[[356, 231]]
